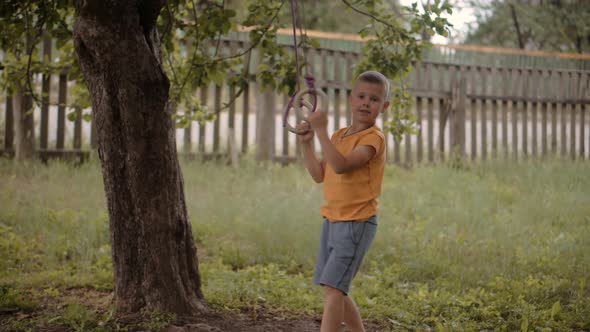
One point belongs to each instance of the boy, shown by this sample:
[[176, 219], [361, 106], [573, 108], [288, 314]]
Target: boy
[[352, 173]]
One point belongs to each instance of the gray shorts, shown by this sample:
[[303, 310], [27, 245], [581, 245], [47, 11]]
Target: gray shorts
[[343, 246]]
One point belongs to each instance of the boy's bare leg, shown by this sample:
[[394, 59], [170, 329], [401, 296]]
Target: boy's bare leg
[[352, 317], [333, 315]]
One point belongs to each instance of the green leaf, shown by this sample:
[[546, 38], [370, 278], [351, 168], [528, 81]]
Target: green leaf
[[72, 116], [217, 77], [314, 42], [524, 326], [263, 67], [555, 310]]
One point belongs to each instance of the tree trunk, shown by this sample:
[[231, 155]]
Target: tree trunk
[[154, 256], [517, 27]]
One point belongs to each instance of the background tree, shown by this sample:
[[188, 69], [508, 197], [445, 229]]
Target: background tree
[[549, 25]]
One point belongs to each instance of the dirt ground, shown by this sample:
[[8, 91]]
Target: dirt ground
[[46, 317]]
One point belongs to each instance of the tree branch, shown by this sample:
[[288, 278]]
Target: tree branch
[[515, 20], [398, 30]]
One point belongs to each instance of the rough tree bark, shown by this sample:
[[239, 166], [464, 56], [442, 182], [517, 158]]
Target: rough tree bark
[[154, 256]]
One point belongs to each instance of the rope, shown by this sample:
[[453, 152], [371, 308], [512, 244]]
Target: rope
[[293, 20], [309, 79]]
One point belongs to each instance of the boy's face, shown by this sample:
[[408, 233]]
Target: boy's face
[[367, 101]]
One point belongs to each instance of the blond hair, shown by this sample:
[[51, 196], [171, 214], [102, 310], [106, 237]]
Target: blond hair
[[372, 76]]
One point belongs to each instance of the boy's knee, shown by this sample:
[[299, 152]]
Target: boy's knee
[[332, 293]]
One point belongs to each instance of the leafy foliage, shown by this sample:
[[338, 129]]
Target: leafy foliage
[[192, 35], [550, 26]]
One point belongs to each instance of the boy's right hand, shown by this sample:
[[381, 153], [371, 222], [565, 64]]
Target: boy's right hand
[[307, 137]]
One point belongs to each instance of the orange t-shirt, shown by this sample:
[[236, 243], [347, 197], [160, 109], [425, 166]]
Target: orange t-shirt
[[354, 195]]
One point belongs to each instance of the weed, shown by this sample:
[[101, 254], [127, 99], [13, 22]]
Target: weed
[[489, 246]]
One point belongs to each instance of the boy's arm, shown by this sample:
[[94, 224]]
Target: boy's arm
[[315, 168], [359, 156]]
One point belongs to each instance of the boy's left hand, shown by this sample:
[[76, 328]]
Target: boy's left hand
[[318, 120]]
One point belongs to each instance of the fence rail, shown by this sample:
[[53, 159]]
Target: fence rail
[[475, 111]]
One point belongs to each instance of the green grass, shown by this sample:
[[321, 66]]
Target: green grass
[[497, 246]]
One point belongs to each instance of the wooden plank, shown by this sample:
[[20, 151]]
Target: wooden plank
[[324, 67], [418, 80], [202, 127], [571, 92], [458, 119], [563, 111], [426, 80], [9, 125], [284, 131], [61, 110], [505, 109], [231, 121], [93, 136], [265, 125], [525, 114], [245, 116], [515, 99], [408, 147], [188, 130], [585, 92], [387, 134], [187, 136], [534, 108], [582, 112], [419, 142], [45, 95], [217, 121], [553, 86], [473, 76], [349, 78], [544, 129], [517, 75], [486, 86], [430, 130], [543, 75], [575, 92], [442, 108], [337, 78], [497, 80], [396, 147], [78, 129]]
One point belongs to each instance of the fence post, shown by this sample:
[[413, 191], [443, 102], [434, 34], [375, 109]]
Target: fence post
[[9, 125], [61, 110], [458, 118], [187, 142], [78, 129], [45, 92], [93, 137], [265, 125]]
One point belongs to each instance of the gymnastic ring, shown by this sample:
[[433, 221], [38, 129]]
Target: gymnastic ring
[[294, 130], [299, 103]]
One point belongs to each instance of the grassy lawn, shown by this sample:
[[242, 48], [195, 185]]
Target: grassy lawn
[[498, 246]]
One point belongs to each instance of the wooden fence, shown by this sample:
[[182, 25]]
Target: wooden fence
[[476, 112]]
